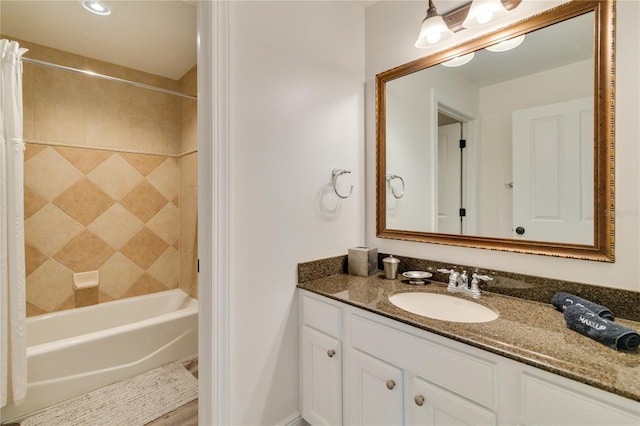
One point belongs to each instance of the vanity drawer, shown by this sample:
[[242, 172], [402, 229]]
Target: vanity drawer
[[456, 371], [321, 315]]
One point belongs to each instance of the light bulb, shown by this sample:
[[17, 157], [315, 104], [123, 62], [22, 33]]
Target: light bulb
[[484, 11], [433, 38], [484, 17]]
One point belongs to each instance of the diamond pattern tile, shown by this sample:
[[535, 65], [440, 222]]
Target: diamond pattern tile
[[49, 285], [116, 226], [116, 177], [144, 248], [84, 160], [145, 285], [144, 201], [50, 229], [166, 223], [32, 202], [84, 201], [166, 178], [49, 174], [92, 206], [118, 274], [144, 163], [166, 268], [32, 150], [68, 303], [33, 310], [34, 258], [84, 252], [104, 297]]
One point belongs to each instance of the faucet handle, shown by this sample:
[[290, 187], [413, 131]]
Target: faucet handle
[[481, 277], [453, 276], [475, 277], [475, 287]]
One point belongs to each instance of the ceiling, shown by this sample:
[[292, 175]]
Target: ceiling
[[154, 36], [160, 36]]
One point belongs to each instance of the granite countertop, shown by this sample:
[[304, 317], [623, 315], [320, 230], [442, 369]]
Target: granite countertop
[[526, 331]]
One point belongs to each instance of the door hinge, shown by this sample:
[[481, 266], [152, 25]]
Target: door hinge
[[463, 143], [463, 212], [198, 267]]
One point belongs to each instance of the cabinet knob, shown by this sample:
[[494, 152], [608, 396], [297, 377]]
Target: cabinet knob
[[331, 353], [391, 384], [419, 400]]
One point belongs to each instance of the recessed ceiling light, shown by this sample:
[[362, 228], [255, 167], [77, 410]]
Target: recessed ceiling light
[[97, 7]]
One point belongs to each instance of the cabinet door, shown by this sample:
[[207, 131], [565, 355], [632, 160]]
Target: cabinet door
[[321, 378], [374, 391], [430, 405]]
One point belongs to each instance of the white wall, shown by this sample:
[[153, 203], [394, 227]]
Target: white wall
[[296, 110], [391, 28], [411, 135]]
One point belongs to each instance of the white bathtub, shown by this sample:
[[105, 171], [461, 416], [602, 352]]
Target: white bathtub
[[72, 352]]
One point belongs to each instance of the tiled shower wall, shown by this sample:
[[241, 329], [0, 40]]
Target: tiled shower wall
[[110, 181], [189, 186]]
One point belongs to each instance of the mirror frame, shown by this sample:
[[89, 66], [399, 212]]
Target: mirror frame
[[604, 137]]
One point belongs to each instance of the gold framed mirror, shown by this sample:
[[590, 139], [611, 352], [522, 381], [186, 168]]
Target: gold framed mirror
[[531, 168]]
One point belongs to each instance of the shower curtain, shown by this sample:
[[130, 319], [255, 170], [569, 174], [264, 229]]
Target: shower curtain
[[13, 351]]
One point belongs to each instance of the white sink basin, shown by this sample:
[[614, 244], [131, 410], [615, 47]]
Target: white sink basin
[[443, 307]]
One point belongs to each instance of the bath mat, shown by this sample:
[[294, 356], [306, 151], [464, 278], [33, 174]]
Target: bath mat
[[134, 401]]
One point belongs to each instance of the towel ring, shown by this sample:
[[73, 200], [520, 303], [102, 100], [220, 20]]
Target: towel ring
[[393, 191], [335, 174]]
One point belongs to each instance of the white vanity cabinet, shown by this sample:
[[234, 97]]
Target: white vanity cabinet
[[321, 362], [393, 373], [373, 391]]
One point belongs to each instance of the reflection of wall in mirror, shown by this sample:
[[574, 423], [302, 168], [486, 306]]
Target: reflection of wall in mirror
[[411, 141], [497, 102]]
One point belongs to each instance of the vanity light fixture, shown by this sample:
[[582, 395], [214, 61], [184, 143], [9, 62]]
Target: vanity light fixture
[[459, 60], [96, 7], [506, 45], [433, 29], [484, 11]]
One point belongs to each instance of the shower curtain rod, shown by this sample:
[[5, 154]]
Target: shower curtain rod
[[106, 77]]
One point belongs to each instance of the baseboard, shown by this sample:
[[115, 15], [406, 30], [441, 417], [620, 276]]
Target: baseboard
[[294, 419]]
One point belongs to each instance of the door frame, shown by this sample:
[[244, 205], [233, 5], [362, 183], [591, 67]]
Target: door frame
[[470, 158]]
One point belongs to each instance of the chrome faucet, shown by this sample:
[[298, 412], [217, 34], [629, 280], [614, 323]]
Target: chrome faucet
[[454, 277], [460, 282], [463, 280]]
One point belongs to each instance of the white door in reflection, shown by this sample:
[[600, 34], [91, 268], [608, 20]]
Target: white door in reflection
[[449, 179], [553, 172]]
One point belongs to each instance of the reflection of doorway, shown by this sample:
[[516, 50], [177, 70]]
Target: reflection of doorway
[[457, 155], [450, 167]]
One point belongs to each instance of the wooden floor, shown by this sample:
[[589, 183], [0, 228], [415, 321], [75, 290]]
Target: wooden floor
[[187, 415]]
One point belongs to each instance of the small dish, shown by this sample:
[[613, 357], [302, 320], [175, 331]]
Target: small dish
[[416, 277]]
